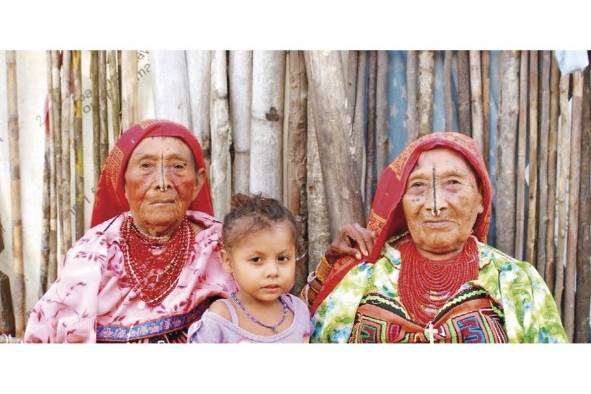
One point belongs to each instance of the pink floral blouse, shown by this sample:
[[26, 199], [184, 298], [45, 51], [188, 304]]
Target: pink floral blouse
[[92, 301]]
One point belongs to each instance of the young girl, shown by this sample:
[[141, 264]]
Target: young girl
[[260, 238]]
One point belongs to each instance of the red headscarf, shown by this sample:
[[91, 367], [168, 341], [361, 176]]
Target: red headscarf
[[386, 217], [109, 200]]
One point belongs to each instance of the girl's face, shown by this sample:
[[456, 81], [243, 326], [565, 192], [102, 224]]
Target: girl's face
[[263, 263]]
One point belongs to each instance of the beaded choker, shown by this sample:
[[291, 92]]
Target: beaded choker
[[154, 264], [426, 285]]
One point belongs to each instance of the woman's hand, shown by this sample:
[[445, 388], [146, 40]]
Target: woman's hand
[[353, 240]]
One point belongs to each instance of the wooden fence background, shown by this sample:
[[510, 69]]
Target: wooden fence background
[[314, 129]]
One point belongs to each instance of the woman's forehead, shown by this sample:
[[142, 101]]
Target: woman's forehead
[[162, 145], [442, 158]]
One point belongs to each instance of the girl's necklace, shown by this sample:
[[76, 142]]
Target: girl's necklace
[[273, 327]]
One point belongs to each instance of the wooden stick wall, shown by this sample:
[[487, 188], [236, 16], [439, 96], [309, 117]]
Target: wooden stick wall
[[311, 128]]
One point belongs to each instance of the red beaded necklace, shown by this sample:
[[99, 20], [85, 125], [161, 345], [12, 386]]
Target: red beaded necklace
[[426, 285], [154, 264]]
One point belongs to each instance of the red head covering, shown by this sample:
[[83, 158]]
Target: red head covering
[[109, 200], [386, 217]]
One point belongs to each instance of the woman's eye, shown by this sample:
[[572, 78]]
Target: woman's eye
[[145, 164], [179, 166], [453, 182], [417, 184]]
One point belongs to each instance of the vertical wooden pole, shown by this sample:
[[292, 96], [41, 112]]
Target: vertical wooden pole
[[382, 112], [476, 99], [550, 269], [266, 128], [327, 88], [543, 160], [486, 102], [103, 114], [370, 169], [355, 135], [464, 92], [318, 220], [171, 88], [78, 146], [129, 89], [199, 72], [521, 159], [221, 166], [56, 178], [412, 123], [426, 81], [15, 195], [532, 215], [583, 294], [562, 175], [447, 98], [297, 97], [96, 117], [507, 129], [115, 93], [573, 204], [65, 197], [46, 207], [240, 80]]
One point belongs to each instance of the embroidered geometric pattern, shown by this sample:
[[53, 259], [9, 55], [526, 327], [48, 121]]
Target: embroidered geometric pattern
[[151, 328], [469, 317]]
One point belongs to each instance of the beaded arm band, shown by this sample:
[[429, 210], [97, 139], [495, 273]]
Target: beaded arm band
[[315, 281]]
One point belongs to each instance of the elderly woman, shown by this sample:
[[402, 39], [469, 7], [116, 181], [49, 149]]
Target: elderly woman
[[150, 265], [430, 276]]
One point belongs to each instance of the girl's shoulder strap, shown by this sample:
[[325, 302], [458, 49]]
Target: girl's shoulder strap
[[231, 309]]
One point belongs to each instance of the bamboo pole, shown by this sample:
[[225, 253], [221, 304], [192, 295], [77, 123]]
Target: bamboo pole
[[15, 195], [412, 123], [78, 146], [318, 220], [65, 196], [550, 268], [115, 93], [583, 293], [96, 118], [486, 103], [266, 127], [297, 98], [531, 248], [327, 88], [103, 114], [425, 94], [382, 112], [221, 166], [171, 87], [543, 162], [351, 76], [55, 188], [506, 131], [573, 204], [562, 175], [476, 99], [129, 89], [199, 73], [46, 205], [356, 135], [240, 80], [370, 169], [521, 158], [464, 92], [447, 98]]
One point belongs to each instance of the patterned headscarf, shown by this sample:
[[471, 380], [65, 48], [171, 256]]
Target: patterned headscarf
[[110, 198]]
